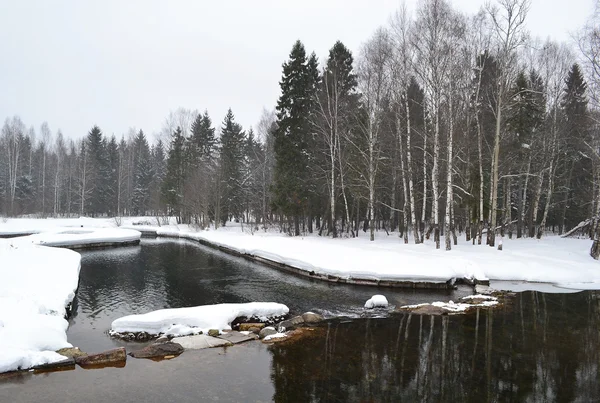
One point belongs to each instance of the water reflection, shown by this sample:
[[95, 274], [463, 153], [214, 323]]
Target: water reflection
[[173, 274], [541, 348]]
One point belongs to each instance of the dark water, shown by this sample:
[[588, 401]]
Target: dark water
[[159, 274], [538, 348]]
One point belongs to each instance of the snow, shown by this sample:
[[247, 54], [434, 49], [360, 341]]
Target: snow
[[193, 320], [376, 301], [565, 263], [274, 336], [65, 237], [37, 283], [451, 306]]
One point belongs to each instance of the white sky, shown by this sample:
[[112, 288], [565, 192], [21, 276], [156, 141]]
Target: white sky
[[122, 64]]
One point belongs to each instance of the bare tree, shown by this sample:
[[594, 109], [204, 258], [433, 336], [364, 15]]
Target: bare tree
[[373, 83], [402, 69], [509, 29]]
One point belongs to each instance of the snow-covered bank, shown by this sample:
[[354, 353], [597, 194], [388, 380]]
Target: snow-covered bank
[[82, 237], [37, 283], [193, 320], [565, 263]]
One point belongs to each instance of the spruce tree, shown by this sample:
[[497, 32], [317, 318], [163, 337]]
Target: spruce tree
[[97, 172], [172, 187], [142, 174], [293, 140], [202, 141], [112, 180], [577, 168], [232, 164]]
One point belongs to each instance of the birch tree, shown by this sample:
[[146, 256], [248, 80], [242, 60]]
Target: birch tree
[[373, 84], [509, 30]]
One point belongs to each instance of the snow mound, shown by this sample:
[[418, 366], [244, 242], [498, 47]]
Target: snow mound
[[38, 283], [376, 301], [193, 320]]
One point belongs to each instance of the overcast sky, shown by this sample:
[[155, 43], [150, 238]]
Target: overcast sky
[[125, 63]]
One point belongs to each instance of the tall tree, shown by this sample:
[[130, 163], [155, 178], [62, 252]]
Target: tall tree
[[232, 160], [293, 140]]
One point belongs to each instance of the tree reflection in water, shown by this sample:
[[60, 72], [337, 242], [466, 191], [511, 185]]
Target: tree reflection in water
[[540, 347]]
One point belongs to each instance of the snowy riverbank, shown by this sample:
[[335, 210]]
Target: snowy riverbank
[[37, 283], [565, 263]]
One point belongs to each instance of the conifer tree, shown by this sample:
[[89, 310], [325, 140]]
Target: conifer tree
[[232, 164], [293, 141], [142, 175], [172, 187]]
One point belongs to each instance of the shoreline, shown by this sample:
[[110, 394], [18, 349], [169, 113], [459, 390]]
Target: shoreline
[[152, 233]]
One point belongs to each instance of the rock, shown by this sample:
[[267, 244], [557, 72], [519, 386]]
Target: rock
[[291, 323], [254, 330], [63, 365], [213, 332], [200, 341], [484, 289], [267, 331], [236, 337], [429, 310], [376, 301], [248, 326], [310, 317], [114, 357], [160, 350], [162, 339], [71, 352]]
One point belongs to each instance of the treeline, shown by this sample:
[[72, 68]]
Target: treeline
[[445, 124]]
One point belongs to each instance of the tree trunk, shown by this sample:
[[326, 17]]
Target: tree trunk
[[435, 173], [404, 187], [491, 235], [411, 189]]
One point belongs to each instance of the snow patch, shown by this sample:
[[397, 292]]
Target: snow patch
[[376, 301], [275, 336], [193, 320]]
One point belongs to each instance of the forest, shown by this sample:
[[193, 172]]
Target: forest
[[441, 125]]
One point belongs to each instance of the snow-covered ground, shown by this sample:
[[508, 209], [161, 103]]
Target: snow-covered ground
[[80, 237], [37, 283], [193, 320], [565, 263]]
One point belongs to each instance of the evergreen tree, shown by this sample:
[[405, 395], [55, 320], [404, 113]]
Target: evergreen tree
[[577, 169], [172, 187], [112, 180], [142, 174], [293, 140], [159, 172], [97, 172], [232, 168], [202, 141]]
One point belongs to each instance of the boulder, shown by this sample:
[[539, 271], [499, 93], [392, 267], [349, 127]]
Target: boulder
[[429, 310], [236, 337], [200, 341], [291, 323], [63, 365], [213, 332], [254, 330], [71, 352], [310, 317], [159, 350], [115, 357], [267, 331], [248, 326]]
